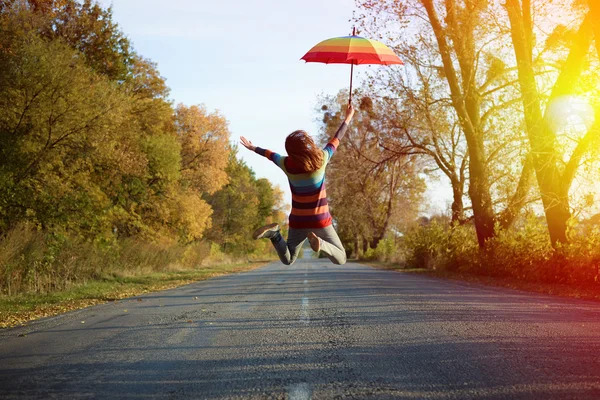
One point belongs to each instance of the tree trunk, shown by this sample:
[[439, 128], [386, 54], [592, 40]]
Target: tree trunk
[[357, 247], [518, 200], [466, 103], [542, 139], [458, 208], [375, 242], [481, 199]]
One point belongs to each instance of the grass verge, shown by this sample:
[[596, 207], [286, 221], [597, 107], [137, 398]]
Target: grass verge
[[18, 310], [585, 292]]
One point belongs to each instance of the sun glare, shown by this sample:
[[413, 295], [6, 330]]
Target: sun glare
[[570, 112]]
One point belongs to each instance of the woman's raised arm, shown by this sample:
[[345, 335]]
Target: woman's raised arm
[[334, 142], [342, 129]]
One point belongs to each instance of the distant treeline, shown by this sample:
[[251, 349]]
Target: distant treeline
[[93, 151]]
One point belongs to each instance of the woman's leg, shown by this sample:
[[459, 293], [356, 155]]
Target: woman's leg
[[331, 245], [288, 251]]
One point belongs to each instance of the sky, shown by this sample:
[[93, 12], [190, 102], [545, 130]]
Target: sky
[[242, 57]]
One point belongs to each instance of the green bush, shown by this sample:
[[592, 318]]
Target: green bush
[[386, 250], [425, 246], [462, 249], [523, 252]]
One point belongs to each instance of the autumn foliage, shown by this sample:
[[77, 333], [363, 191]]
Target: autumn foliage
[[97, 164]]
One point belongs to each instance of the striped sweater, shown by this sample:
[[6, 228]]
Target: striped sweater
[[309, 198]]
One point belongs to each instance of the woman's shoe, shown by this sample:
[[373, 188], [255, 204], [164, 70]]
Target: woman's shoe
[[267, 231], [315, 242]]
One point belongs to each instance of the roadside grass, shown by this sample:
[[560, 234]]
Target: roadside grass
[[584, 292], [20, 309]]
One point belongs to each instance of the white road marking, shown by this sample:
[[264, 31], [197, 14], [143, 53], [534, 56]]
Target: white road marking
[[300, 391], [304, 311]]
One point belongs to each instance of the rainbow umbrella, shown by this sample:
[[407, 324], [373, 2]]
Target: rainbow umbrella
[[353, 50]]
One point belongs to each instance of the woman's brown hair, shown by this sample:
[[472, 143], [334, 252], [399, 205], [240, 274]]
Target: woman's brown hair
[[303, 151]]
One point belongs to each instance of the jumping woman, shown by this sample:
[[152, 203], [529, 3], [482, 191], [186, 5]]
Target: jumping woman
[[305, 169]]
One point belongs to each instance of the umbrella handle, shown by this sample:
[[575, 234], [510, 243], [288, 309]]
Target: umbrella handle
[[351, 73]]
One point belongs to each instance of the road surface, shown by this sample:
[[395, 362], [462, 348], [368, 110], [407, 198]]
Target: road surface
[[312, 330]]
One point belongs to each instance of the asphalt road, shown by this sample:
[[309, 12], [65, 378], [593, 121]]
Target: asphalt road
[[312, 330]]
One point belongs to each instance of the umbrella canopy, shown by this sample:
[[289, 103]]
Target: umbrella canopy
[[351, 50]]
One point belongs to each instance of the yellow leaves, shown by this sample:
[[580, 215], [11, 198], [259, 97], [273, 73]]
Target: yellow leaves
[[10, 319], [147, 82], [164, 158], [204, 139], [191, 215]]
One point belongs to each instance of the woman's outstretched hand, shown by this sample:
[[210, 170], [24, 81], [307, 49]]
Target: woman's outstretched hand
[[349, 113], [247, 144]]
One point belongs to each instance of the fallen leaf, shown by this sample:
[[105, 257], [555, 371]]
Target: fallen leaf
[[190, 321], [83, 322]]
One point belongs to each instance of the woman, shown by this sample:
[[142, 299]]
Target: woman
[[310, 218]]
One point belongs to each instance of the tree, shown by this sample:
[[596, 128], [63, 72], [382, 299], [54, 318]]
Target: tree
[[87, 151], [457, 51], [461, 23], [59, 131], [242, 205], [364, 179], [547, 159], [418, 123], [204, 147], [85, 26], [484, 93]]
